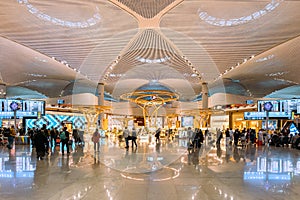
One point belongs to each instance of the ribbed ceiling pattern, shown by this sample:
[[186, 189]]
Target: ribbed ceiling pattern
[[151, 47], [228, 46], [190, 34], [146, 8]]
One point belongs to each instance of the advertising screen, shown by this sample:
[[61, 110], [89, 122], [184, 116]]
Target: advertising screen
[[250, 101], [60, 101], [280, 115], [283, 105], [263, 115], [26, 108], [254, 115], [187, 121], [276, 106], [272, 124]]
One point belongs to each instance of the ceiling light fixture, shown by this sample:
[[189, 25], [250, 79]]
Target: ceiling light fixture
[[71, 24], [238, 21], [158, 60]]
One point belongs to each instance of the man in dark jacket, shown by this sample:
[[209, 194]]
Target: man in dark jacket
[[46, 133], [199, 138], [39, 140], [64, 139]]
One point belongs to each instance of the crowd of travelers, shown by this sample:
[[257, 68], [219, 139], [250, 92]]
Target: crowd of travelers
[[9, 133], [262, 137], [44, 140], [196, 138], [246, 137], [132, 135]]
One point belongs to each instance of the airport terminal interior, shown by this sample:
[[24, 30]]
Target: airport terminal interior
[[149, 99]]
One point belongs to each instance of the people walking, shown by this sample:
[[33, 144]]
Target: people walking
[[64, 139], [157, 135], [75, 135], [39, 140], [198, 138], [96, 140], [53, 135], [45, 131], [236, 136], [126, 137], [11, 136], [191, 136], [227, 133], [133, 137], [219, 136]]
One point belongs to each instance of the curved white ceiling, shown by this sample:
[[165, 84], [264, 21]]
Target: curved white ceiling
[[62, 47]]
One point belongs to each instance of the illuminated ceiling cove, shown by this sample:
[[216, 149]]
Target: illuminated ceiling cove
[[58, 48], [71, 24], [240, 20]]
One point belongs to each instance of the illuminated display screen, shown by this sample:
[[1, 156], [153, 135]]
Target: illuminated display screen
[[249, 101], [280, 115], [263, 115], [277, 106], [60, 101], [287, 105], [27, 108], [272, 124], [187, 121], [254, 115]]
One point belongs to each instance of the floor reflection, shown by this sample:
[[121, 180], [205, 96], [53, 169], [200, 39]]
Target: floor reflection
[[272, 169], [212, 172], [146, 158]]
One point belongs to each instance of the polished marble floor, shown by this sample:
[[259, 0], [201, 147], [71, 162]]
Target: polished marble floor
[[151, 171]]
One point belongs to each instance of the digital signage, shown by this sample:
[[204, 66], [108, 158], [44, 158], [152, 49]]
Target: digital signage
[[250, 101], [254, 115], [277, 106], [280, 115], [23, 108], [272, 124], [263, 115], [282, 105], [187, 121]]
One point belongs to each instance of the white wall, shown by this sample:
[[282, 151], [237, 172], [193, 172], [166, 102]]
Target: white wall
[[225, 99]]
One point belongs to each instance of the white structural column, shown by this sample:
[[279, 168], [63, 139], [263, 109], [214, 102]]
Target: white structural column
[[100, 103], [204, 95]]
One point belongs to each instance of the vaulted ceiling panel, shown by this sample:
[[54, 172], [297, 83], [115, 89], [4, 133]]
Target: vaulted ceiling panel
[[64, 47]]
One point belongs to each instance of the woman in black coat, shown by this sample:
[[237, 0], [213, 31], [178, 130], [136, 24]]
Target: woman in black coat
[[157, 135], [39, 140], [236, 136]]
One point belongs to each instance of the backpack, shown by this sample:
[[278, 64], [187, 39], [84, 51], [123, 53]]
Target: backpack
[[62, 136]]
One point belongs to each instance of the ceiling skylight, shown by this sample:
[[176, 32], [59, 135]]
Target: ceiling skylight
[[265, 58], [71, 24], [158, 60], [238, 21], [277, 74]]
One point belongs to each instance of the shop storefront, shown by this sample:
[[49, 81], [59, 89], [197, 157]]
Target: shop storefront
[[219, 121], [58, 120], [238, 121]]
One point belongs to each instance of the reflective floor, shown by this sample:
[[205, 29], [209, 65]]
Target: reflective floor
[[151, 171]]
